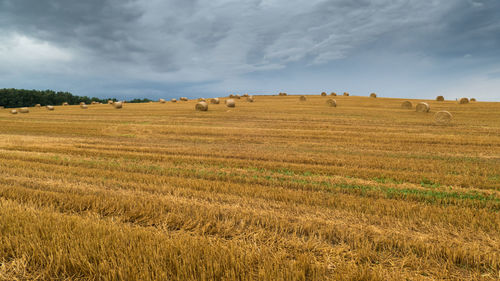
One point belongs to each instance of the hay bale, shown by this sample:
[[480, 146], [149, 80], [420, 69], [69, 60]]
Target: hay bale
[[373, 95], [110, 102], [463, 101], [472, 99], [323, 94], [201, 99], [38, 105], [331, 102], [173, 100], [24, 110], [93, 102], [250, 99], [333, 94], [84, 106], [237, 96], [215, 101], [162, 101], [282, 94], [346, 94], [13, 111], [183, 99], [407, 105], [302, 98], [231, 96], [49, 107], [118, 104], [246, 95], [82, 103], [65, 104], [201, 106], [2, 107], [230, 103], [423, 107], [439, 98], [443, 117]]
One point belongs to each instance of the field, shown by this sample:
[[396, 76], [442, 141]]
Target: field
[[277, 189]]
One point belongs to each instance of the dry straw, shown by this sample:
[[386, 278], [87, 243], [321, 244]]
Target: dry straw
[[173, 100], [323, 94], [13, 111], [93, 102], [472, 99], [201, 99], [49, 107], [231, 96], [282, 94], [302, 98], [24, 110], [423, 107], [407, 105], [2, 107], [463, 101], [230, 103], [183, 99], [38, 105], [215, 101], [439, 98], [162, 101], [237, 96], [250, 99], [443, 117], [201, 106], [246, 95], [84, 106], [346, 94], [110, 102], [118, 104], [333, 94], [373, 95], [332, 102], [65, 103]]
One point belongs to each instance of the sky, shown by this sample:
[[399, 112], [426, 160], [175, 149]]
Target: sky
[[197, 48]]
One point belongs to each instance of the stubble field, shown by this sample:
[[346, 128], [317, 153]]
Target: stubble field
[[277, 189]]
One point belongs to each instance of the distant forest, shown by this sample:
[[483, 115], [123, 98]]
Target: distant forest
[[21, 98]]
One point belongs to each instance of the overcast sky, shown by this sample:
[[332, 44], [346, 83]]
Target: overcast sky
[[162, 48]]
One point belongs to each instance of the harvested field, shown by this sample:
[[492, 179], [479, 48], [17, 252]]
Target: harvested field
[[271, 190]]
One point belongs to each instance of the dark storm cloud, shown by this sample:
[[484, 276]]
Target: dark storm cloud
[[195, 41]]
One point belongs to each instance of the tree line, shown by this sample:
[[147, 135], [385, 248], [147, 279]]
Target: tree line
[[28, 98]]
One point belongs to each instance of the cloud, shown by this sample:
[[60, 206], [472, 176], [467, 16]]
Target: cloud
[[180, 45]]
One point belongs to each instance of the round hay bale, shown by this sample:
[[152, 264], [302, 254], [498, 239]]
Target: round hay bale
[[443, 117], [407, 105], [183, 99], [110, 102], [84, 106], [439, 98], [323, 94], [472, 99], [346, 94], [118, 104], [201, 99], [82, 103], [38, 105], [24, 110], [162, 101], [201, 106], [65, 104], [93, 102], [215, 101], [230, 103], [173, 100], [302, 98], [423, 107], [331, 102], [250, 99], [13, 111], [2, 107], [237, 96], [373, 95], [231, 96], [246, 95], [49, 107], [463, 101], [333, 94]]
